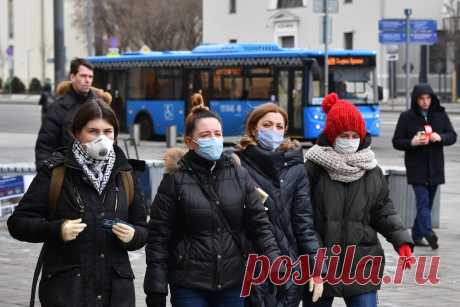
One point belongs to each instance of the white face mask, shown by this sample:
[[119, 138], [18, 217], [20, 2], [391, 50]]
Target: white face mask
[[346, 146], [99, 148]]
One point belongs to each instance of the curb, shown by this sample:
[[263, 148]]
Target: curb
[[19, 102]]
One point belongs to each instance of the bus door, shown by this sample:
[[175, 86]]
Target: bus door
[[290, 92], [117, 86], [198, 81]]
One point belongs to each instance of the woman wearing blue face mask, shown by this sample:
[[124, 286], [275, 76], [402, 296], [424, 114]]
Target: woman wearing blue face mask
[[276, 166], [205, 212], [350, 199]]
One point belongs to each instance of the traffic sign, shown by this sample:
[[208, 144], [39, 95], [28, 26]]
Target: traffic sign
[[332, 6], [415, 38], [10, 50], [399, 25], [392, 57], [422, 31]]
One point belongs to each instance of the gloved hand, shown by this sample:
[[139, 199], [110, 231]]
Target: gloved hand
[[124, 232], [70, 229], [156, 300], [406, 251], [316, 286]]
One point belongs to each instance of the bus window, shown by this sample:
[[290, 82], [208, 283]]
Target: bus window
[[169, 84], [354, 85], [297, 100], [136, 85], [228, 83], [259, 84]]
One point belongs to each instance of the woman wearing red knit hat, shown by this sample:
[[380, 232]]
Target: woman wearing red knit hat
[[351, 205]]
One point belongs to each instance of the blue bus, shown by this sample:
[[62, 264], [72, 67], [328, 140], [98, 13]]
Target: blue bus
[[153, 89]]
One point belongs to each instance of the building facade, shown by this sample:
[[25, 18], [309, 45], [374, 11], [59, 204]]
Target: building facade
[[292, 23], [27, 27]]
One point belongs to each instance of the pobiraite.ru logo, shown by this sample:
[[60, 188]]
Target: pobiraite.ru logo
[[336, 268]]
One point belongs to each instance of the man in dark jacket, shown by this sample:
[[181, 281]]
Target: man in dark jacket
[[422, 132], [53, 132]]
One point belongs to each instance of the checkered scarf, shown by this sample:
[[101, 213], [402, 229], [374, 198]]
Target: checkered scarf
[[342, 167], [97, 171]]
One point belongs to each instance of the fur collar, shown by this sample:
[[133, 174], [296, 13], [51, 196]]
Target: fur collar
[[173, 156], [64, 87]]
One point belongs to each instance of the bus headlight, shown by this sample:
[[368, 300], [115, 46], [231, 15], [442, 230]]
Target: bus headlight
[[377, 125], [316, 116], [377, 115], [317, 126]]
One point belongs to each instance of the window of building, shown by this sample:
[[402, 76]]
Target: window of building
[[10, 19], [287, 41], [283, 4], [348, 1], [233, 41], [437, 54], [348, 40], [232, 6]]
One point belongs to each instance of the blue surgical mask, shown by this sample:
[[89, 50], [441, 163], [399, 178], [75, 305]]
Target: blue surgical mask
[[210, 148], [269, 139]]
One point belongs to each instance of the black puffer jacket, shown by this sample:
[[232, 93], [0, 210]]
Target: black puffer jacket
[[189, 245], [282, 175], [94, 269], [54, 133], [352, 214], [424, 164]]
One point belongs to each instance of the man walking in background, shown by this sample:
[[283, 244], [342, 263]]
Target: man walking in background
[[422, 132]]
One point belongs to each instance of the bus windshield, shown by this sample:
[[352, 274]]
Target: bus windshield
[[353, 84]]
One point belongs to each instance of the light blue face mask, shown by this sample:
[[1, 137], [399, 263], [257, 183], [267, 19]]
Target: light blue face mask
[[210, 148], [269, 139]]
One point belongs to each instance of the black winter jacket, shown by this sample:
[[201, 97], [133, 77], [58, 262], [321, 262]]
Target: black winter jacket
[[352, 214], [54, 132], [282, 175], [424, 164], [93, 269], [189, 245]]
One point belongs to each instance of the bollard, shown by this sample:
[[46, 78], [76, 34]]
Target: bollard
[[136, 134], [171, 135]]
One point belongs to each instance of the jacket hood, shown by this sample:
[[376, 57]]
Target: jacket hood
[[65, 86], [323, 141], [421, 89]]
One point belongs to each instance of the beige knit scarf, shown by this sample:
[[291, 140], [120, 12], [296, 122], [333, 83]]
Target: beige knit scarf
[[342, 167]]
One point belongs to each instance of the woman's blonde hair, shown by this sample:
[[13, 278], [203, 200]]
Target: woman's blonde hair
[[253, 119]]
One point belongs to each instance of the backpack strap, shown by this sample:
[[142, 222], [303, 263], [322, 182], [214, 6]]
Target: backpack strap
[[57, 180], [128, 184]]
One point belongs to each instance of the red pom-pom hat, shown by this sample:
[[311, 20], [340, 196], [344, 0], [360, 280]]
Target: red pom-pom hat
[[341, 116]]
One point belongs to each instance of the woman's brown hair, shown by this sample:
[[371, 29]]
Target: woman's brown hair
[[95, 109], [198, 111], [256, 114]]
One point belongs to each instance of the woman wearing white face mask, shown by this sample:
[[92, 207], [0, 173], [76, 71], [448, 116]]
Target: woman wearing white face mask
[[350, 201], [88, 219], [203, 214], [276, 166]]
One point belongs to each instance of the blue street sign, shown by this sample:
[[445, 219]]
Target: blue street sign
[[415, 38], [422, 31], [399, 25]]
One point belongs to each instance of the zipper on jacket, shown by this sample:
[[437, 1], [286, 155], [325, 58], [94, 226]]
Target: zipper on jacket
[[116, 198]]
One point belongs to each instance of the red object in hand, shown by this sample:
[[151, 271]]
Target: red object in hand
[[406, 251]]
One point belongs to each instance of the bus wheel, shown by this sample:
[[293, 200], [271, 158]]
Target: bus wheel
[[146, 127]]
